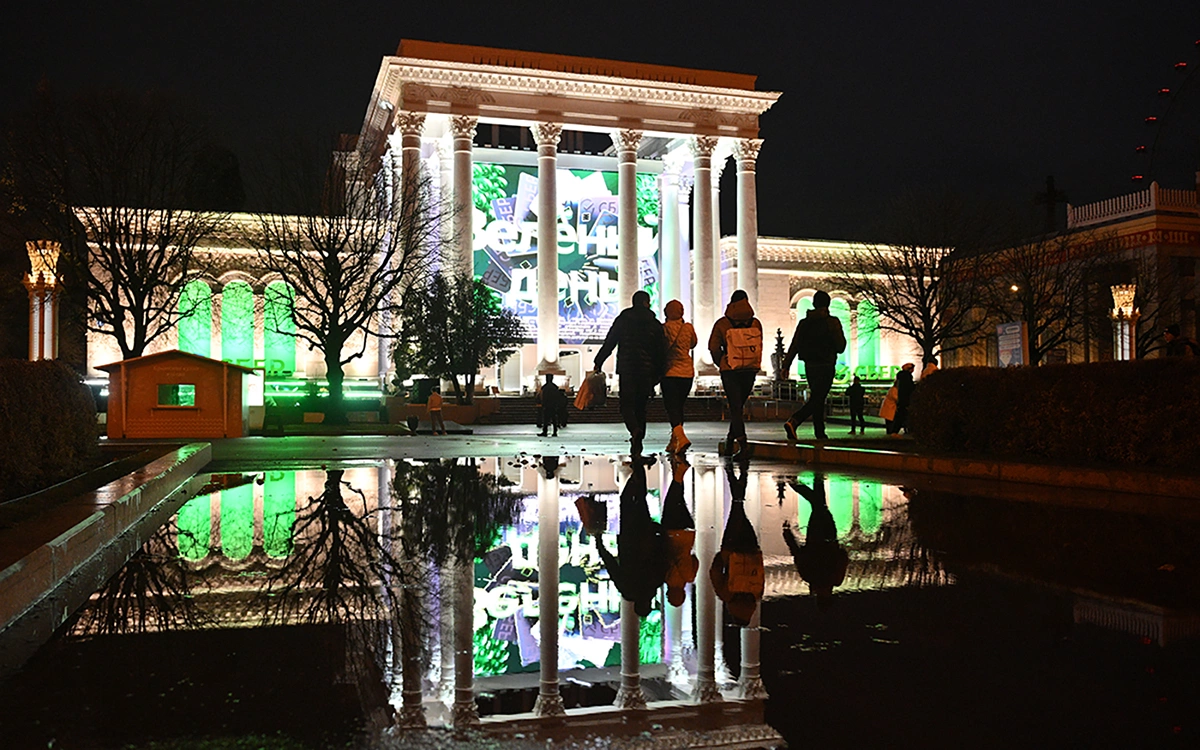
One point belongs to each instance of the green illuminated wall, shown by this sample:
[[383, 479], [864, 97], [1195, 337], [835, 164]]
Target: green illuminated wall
[[840, 309], [840, 498], [279, 328], [194, 524], [868, 334], [870, 507], [279, 512], [237, 522], [195, 322], [237, 324]]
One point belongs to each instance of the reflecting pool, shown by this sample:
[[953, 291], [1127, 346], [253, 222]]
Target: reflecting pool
[[705, 603]]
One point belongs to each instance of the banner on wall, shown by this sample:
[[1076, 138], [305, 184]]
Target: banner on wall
[[505, 244]]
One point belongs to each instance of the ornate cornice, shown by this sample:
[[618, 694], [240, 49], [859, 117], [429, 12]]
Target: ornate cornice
[[546, 133], [463, 126], [410, 123], [472, 84], [703, 145], [627, 140]]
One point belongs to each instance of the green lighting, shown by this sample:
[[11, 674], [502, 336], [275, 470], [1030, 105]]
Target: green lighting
[[194, 524], [237, 522], [237, 324], [868, 335], [279, 512], [870, 507], [279, 329], [841, 504], [195, 321]]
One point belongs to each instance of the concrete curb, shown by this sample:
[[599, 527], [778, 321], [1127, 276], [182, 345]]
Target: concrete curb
[[72, 549], [1107, 480]]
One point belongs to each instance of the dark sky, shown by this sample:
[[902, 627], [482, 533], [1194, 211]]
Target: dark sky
[[984, 99]]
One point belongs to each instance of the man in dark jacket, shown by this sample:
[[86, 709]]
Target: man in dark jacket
[[639, 568], [818, 341], [550, 397], [856, 394], [641, 357]]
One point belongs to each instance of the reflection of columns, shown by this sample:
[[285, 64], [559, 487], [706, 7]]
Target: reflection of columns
[[628, 270], [746, 152], [630, 694], [676, 672], [703, 305], [446, 634], [465, 712], [750, 685], [463, 128], [707, 519], [549, 701], [547, 134], [669, 200], [412, 710]]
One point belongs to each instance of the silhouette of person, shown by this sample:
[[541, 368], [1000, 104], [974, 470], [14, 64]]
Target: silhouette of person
[[820, 561], [639, 569], [737, 569], [680, 529]]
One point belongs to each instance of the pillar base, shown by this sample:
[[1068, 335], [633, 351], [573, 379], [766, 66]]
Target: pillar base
[[464, 714], [752, 689], [630, 697], [549, 705], [550, 368], [412, 717], [724, 676], [707, 692]]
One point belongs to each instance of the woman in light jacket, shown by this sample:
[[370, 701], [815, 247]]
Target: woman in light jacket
[[677, 380]]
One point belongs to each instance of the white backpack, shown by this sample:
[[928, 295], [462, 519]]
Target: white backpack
[[744, 347]]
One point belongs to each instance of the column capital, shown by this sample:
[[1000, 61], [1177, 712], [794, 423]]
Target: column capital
[[626, 140], [686, 181], [463, 126], [547, 133], [745, 150], [703, 145], [410, 123]]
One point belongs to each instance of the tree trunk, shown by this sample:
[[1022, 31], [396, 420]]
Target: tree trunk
[[335, 411], [458, 394], [470, 388]]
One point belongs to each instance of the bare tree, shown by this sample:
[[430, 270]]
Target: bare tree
[[121, 181], [921, 280], [347, 253], [1043, 282]]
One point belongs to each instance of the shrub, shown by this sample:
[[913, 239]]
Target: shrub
[[47, 425], [1144, 413]]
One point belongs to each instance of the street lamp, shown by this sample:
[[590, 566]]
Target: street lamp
[[42, 284], [1125, 317]]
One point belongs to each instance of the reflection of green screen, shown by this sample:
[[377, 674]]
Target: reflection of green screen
[[841, 504], [237, 522], [195, 527], [505, 245], [279, 512], [870, 507]]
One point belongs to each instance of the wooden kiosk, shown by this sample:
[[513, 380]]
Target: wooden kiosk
[[175, 394]]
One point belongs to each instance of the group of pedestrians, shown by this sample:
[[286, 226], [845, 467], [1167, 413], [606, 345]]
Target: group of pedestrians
[[651, 353]]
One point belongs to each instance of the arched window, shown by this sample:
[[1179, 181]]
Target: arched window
[[195, 319], [237, 324], [279, 329], [840, 309], [868, 334]]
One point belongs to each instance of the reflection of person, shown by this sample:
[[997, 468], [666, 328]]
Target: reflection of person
[[856, 394], [680, 530], [677, 381], [818, 341], [736, 347], [433, 407], [550, 396], [641, 349], [639, 569], [737, 570], [820, 561]]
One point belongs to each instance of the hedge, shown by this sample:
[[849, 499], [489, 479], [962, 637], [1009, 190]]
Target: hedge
[[1144, 413], [47, 425]]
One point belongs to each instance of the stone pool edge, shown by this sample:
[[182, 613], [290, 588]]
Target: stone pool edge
[[92, 536]]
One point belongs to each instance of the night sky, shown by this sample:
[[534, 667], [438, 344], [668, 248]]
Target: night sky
[[982, 99]]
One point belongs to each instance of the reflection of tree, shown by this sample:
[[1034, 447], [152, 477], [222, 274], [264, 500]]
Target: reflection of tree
[[152, 592]]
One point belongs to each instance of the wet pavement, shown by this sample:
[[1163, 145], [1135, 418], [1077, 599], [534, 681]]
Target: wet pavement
[[319, 606]]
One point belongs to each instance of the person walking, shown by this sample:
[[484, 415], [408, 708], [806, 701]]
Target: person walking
[[900, 395], [433, 408], [736, 347], [680, 529], [550, 396], [641, 355], [677, 381], [818, 341], [1179, 345], [639, 568], [856, 394]]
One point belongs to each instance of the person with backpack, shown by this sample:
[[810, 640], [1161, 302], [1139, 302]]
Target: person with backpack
[[736, 346], [641, 355], [677, 382], [818, 341], [737, 571]]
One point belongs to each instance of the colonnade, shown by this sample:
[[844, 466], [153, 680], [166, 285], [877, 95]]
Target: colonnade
[[691, 273]]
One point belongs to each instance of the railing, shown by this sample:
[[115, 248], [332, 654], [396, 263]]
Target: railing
[[1153, 198]]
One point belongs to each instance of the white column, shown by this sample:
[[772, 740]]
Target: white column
[[703, 304], [410, 125], [672, 284], [630, 694], [446, 635], [628, 271], [549, 701], [547, 134], [750, 685], [463, 128], [686, 253], [719, 160], [445, 159], [746, 153], [707, 519], [464, 713], [853, 343]]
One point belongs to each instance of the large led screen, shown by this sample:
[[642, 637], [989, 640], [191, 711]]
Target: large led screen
[[505, 244]]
